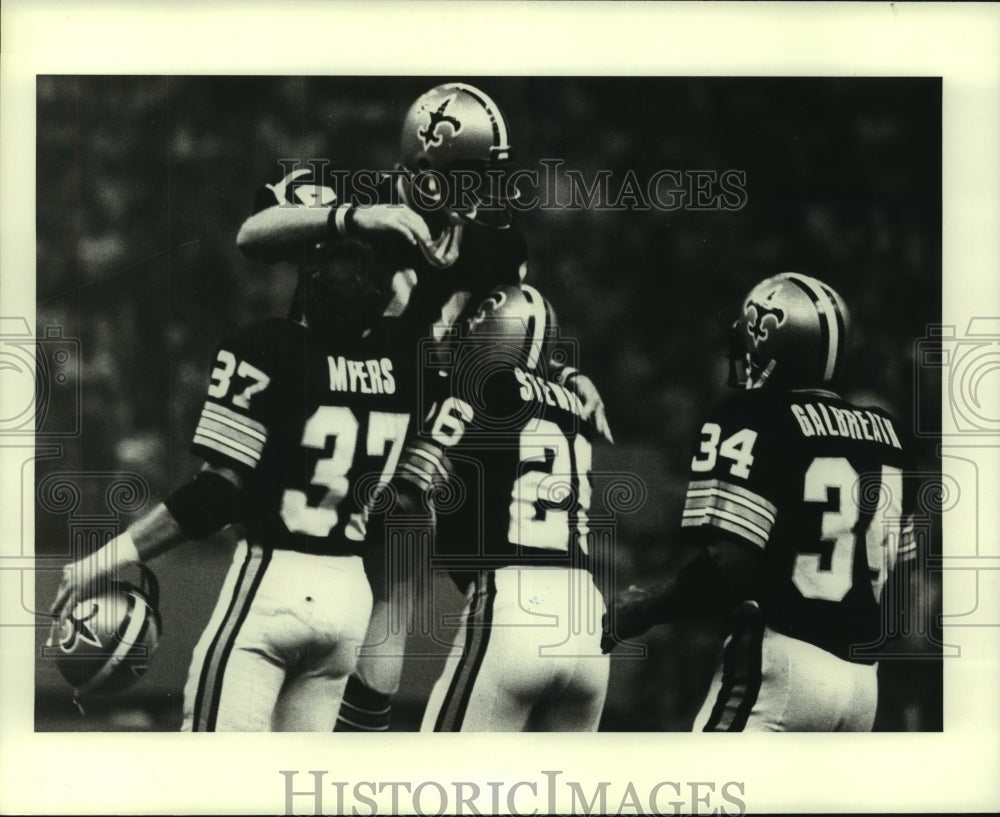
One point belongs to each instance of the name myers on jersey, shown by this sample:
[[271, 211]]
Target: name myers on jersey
[[821, 420], [534, 388], [363, 376]]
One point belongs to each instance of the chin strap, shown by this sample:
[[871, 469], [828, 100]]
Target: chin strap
[[443, 251], [764, 375]]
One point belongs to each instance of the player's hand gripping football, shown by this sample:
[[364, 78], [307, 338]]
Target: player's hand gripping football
[[386, 218], [628, 617], [82, 578]]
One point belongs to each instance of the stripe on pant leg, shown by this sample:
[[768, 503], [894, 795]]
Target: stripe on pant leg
[[210, 682], [199, 696], [264, 558], [477, 638], [741, 677]]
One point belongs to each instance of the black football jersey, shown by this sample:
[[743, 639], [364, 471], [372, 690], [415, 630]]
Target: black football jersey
[[508, 457], [466, 258], [312, 428], [816, 484]]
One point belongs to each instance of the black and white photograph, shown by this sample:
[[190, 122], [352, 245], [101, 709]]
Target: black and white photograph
[[642, 400]]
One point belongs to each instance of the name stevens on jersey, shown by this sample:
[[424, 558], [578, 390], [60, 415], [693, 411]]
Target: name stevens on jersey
[[544, 391], [364, 376], [820, 420]]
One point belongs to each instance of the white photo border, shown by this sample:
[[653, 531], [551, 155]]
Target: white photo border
[[239, 774]]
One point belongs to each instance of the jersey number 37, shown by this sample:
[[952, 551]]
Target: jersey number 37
[[385, 429]]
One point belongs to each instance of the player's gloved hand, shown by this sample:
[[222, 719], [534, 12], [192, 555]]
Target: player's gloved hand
[[593, 404], [81, 577], [382, 218], [630, 616]]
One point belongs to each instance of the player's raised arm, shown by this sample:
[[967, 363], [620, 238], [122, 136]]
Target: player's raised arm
[[304, 210], [278, 233]]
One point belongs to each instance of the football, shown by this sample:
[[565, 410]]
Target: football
[[105, 643]]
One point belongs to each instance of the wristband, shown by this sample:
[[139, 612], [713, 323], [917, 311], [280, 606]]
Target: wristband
[[119, 552], [204, 505]]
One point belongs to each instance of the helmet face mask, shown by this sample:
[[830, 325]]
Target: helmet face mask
[[792, 332], [455, 147]]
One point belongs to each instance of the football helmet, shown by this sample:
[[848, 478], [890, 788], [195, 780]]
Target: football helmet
[[517, 324], [104, 644], [457, 129], [514, 328], [792, 332]]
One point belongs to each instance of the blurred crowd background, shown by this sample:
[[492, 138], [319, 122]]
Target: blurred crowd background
[[143, 182]]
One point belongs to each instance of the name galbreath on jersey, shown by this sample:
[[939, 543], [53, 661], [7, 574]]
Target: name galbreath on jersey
[[818, 419], [815, 485]]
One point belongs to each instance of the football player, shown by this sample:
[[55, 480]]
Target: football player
[[302, 422], [527, 655], [442, 221], [795, 517], [440, 218]]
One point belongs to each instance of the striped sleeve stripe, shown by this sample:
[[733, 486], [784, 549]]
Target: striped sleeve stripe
[[706, 515], [248, 424], [733, 504], [223, 448], [418, 456], [236, 437], [726, 521], [717, 493], [736, 491], [224, 415], [228, 441], [415, 475], [907, 543]]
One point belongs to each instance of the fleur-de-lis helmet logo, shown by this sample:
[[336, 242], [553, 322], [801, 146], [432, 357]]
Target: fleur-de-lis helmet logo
[[758, 314], [436, 119]]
